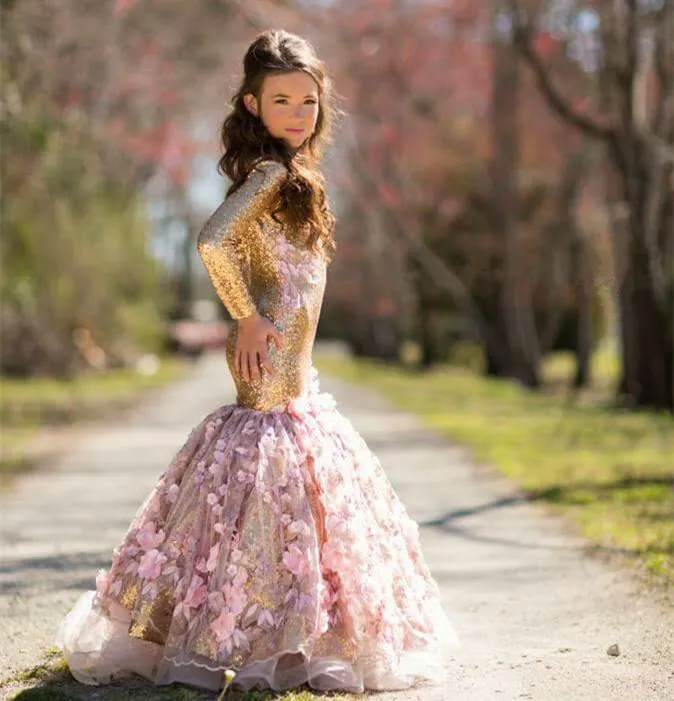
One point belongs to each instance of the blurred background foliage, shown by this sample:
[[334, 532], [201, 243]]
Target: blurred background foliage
[[502, 179]]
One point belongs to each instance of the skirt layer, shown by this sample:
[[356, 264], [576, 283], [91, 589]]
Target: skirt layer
[[274, 546]]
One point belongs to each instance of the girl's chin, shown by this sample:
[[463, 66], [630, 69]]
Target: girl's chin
[[294, 145]]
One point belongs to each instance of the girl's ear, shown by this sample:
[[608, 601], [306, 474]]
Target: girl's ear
[[251, 103]]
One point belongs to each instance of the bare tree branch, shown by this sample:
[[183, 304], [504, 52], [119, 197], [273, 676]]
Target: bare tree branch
[[522, 40]]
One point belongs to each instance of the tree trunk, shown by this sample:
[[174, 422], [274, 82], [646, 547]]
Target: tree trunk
[[515, 296], [648, 358]]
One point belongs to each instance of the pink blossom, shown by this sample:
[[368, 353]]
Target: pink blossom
[[241, 639], [286, 519], [299, 527], [172, 493], [235, 597], [212, 498], [298, 407], [150, 564], [196, 593], [330, 556], [223, 625], [216, 601], [213, 557], [148, 538], [241, 577], [295, 560], [265, 617]]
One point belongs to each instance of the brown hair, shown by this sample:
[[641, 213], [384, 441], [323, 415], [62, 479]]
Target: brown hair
[[303, 201]]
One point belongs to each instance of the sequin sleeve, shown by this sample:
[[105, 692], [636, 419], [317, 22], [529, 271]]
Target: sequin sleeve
[[225, 239]]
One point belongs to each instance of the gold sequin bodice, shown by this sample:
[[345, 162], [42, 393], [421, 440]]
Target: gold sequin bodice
[[254, 266]]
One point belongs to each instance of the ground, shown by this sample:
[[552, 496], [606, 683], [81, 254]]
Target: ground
[[535, 611]]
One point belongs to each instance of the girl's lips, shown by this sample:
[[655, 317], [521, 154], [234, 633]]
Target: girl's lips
[[295, 131]]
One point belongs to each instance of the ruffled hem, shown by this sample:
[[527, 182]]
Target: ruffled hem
[[99, 650]]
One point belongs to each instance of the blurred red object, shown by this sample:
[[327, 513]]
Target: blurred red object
[[191, 336]]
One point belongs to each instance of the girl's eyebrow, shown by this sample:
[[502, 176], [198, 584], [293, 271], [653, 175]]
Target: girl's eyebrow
[[279, 94]]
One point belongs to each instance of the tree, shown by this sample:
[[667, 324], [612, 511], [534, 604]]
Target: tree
[[632, 62]]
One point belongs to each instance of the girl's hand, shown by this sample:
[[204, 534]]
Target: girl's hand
[[251, 355]]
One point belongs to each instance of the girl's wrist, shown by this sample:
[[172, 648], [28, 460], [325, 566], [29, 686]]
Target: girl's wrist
[[251, 318]]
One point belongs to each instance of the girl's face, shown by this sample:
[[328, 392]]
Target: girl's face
[[288, 106]]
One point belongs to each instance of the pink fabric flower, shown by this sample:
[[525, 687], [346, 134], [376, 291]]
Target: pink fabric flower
[[213, 557], [265, 617], [299, 527], [330, 556], [299, 269], [241, 577], [295, 560], [223, 625], [172, 493], [235, 597], [150, 564], [148, 538], [298, 407], [196, 593]]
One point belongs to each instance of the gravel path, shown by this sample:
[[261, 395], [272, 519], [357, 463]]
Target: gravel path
[[534, 612]]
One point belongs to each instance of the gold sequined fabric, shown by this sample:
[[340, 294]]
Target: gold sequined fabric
[[256, 263]]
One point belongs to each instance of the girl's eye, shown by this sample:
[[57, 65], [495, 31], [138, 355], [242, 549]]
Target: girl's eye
[[283, 101]]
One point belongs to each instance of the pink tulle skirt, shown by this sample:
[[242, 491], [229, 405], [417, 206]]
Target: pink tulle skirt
[[273, 546]]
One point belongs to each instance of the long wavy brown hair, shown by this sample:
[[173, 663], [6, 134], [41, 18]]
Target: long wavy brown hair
[[302, 201]]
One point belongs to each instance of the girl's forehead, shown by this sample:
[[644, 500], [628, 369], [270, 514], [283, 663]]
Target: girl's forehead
[[293, 84]]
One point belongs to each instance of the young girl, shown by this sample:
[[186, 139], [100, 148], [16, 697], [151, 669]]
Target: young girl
[[274, 545]]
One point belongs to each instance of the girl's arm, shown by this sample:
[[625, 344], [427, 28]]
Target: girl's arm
[[223, 242]]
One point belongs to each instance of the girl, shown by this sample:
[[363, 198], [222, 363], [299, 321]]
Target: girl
[[274, 545]]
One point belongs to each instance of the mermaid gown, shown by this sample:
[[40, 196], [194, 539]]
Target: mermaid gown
[[273, 545]]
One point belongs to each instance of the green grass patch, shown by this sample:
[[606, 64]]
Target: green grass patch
[[50, 680], [610, 470], [28, 405]]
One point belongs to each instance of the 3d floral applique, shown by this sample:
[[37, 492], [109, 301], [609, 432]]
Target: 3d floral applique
[[299, 269]]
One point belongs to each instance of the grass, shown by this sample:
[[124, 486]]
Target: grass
[[27, 406], [610, 471], [50, 680]]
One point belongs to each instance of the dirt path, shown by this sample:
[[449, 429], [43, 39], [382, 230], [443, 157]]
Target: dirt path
[[534, 612]]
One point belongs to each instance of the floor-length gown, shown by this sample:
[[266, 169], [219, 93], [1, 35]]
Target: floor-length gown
[[273, 544]]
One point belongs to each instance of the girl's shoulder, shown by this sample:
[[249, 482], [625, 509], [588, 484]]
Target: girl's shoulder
[[269, 170]]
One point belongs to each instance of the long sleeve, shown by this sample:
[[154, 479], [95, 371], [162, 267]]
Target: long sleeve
[[223, 242]]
